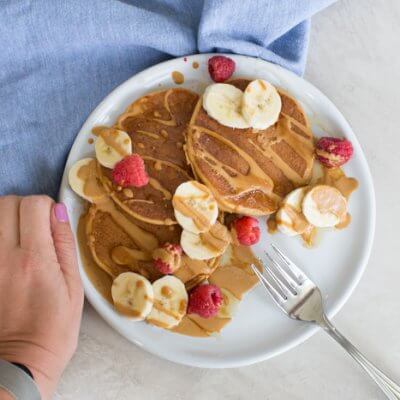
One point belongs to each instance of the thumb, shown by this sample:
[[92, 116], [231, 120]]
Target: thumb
[[64, 245]]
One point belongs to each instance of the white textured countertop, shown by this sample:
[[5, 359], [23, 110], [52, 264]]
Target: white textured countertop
[[354, 58]]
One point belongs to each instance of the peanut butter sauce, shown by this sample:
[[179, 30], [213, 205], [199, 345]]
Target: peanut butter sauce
[[217, 238], [178, 77], [92, 188]]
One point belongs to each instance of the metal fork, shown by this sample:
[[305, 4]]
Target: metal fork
[[301, 299]]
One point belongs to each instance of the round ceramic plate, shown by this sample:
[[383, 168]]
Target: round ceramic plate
[[259, 330]]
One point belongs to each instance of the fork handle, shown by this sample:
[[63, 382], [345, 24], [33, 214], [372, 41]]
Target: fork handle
[[391, 389]]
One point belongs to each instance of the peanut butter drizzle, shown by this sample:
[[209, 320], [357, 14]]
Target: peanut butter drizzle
[[200, 221], [272, 225], [149, 134], [164, 133], [96, 130], [142, 238], [308, 235], [157, 185], [167, 292], [127, 311], [256, 178], [91, 188], [109, 136], [191, 268], [128, 193], [159, 306], [344, 221], [196, 326], [178, 77], [217, 238], [125, 256], [235, 273], [336, 177], [182, 204], [299, 221]]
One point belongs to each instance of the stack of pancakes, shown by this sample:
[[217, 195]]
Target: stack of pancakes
[[248, 171]]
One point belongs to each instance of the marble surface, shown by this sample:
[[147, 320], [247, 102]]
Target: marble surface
[[354, 58]]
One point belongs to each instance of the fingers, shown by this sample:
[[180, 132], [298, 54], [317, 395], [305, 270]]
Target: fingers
[[65, 248], [34, 224], [9, 220]]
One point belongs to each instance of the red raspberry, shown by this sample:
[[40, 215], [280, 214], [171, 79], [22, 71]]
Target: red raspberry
[[167, 258], [205, 300], [333, 152], [247, 230], [221, 68], [130, 171]]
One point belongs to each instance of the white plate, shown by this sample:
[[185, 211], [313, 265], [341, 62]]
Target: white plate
[[259, 330]]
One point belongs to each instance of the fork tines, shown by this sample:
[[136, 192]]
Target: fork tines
[[285, 276]]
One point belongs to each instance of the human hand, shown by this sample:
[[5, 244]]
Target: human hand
[[41, 294]]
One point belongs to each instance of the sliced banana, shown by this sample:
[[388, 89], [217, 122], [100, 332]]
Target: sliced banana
[[195, 207], [223, 102], [112, 146], [229, 305], [83, 180], [290, 219], [132, 295], [170, 302], [206, 245], [261, 104], [324, 206]]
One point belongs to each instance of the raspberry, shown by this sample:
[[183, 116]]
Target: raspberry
[[333, 152], [167, 258], [221, 68], [130, 171], [247, 230], [205, 300]]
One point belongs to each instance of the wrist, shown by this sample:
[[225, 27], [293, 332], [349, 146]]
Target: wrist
[[4, 395], [42, 365]]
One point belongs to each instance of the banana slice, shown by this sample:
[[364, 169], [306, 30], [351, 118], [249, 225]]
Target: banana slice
[[206, 245], [132, 295], [290, 219], [324, 206], [112, 146], [83, 180], [223, 102], [229, 305], [195, 207], [261, 104], [170, 302]]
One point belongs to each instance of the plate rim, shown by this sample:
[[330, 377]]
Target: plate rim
[[311, 329]]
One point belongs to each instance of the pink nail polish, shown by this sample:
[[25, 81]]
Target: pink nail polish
[[60, 212]]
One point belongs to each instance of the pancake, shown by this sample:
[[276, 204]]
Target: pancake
[[123, 229], [156, 124], [119, 243], [249, 171], [151, 203]]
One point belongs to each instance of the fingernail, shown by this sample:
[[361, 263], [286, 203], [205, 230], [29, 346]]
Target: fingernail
[[60, 212]]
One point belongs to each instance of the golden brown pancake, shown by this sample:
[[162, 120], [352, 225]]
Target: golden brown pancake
[[151, 203], [118, 243], [156, 124], [249, 171], [123, 230]]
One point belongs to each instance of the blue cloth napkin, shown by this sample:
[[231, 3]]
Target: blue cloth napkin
[[59, 59]]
